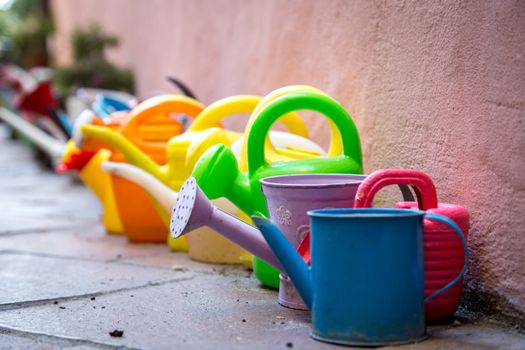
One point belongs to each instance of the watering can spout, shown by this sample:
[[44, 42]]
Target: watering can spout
[[132, 153], [194, 210], [288, 257], [164, 195]]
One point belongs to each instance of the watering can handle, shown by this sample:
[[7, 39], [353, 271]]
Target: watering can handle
[[452, 224], [155, 106], [212, 115], [294, 101], [421, 182]]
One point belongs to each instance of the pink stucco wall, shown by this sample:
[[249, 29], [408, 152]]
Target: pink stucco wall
[[436, 86]]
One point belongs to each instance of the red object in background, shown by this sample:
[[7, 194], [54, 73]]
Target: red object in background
[[443, 249], [38, 101]]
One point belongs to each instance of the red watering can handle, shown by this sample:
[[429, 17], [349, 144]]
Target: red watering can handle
[[421, 182]]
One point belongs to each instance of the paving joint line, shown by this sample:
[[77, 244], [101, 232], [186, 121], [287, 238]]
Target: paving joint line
[[60, 340], [41, 302], [57, 229], [66, 257]]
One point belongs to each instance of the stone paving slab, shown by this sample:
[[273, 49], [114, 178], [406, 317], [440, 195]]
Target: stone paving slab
[[83, 242], [11, 341], [29, 278], [211, 312]]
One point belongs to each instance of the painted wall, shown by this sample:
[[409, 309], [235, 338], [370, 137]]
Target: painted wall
[[436, 86]]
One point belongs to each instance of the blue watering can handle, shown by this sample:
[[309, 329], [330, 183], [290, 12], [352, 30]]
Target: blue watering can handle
[[455, 227]]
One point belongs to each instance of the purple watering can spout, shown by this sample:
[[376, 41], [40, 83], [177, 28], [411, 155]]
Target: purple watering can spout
[[193, 210]]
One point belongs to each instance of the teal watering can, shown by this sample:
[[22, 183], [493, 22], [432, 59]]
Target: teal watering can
[[365, 284]]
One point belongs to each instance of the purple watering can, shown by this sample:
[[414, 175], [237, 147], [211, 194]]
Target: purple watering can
[[288, 197]]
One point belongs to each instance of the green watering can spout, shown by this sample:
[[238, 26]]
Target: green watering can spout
[[288, 257]]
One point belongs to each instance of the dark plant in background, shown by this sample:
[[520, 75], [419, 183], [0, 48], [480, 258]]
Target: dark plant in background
[[90, 67], [24, 28]]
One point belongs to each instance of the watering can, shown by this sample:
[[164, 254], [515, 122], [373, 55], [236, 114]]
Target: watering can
[[78, 157], [289, 197], [88, 166], [443, 250], [185, 150], [148, 126], [243, 188], [365, 285]]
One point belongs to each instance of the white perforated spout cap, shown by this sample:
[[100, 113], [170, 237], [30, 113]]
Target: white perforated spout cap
[[183, 208]]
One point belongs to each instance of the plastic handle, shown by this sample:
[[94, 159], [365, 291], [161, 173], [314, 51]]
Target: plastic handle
[[155, 106], [455, 227], [351, 146], [421, 182], [212, 115]]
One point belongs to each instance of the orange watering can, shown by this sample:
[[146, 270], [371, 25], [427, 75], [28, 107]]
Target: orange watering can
[[148, 127]]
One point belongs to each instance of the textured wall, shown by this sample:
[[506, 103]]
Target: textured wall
[[436, 86]]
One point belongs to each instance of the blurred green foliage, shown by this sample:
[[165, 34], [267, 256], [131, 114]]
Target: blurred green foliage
[[90, 67], [24, 27]]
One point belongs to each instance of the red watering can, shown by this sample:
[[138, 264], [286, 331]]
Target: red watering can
[[443, 250]]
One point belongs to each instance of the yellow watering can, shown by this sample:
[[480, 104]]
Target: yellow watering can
[[147, 127], [76, 157]]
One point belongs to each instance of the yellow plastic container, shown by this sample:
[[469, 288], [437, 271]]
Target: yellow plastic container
[[88, 166]]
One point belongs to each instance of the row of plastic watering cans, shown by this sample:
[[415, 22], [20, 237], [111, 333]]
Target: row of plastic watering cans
[[357, 255], [180, 153]]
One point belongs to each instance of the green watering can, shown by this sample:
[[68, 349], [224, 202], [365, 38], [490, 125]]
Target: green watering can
[[218, 175]]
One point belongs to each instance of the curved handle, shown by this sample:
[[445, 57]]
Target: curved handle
[[456, 229], [300, 129], [294, 101], [421, 182], [212, 115], [157, 106]]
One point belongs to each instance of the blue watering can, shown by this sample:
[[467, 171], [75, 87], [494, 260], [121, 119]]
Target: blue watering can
[[365, 286]]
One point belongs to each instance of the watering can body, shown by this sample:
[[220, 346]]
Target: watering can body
[[88, 165], [243, 188], [365, 286], [290, 197], [443, 250], [147, 127]]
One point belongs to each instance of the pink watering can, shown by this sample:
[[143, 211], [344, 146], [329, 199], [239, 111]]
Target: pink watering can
[[443, 249]]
